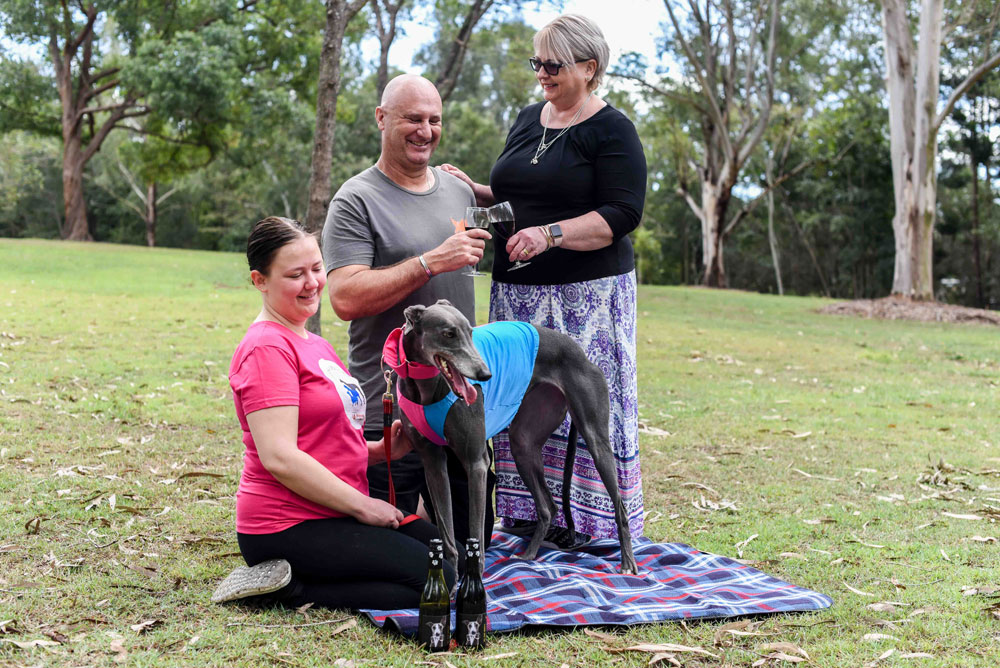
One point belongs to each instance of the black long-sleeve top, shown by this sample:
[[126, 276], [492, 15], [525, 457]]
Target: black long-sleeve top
[[598, 165]]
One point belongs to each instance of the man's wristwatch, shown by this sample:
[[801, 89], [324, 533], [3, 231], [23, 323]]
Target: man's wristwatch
[[555, 232]]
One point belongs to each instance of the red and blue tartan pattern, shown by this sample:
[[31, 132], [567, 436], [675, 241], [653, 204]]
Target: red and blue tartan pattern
[[675, 581]]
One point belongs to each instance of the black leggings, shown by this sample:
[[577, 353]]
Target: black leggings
[[342, 563], [410, 484]]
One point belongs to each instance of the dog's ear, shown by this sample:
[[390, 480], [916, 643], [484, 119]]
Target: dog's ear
[[413, 315], [444, 302]]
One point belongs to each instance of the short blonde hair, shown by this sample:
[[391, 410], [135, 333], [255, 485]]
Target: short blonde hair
[[572, 37]]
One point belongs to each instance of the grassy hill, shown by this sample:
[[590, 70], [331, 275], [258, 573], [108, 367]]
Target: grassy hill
[[858, 458]]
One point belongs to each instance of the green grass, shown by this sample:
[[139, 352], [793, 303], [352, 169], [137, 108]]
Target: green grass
[[839, 443]]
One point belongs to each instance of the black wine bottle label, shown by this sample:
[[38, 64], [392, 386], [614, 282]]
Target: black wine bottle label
[[434, 633], [470, 630]]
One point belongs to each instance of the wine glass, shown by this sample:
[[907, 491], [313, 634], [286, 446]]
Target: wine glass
[[478, 217], [502, 217]]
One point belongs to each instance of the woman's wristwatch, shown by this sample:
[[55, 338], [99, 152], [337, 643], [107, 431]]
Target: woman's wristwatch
[[553, 234]]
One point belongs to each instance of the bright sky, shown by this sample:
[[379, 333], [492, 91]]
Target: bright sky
[[628, 25]]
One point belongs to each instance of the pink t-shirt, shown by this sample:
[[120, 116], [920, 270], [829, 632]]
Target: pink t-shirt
[[274, 366]]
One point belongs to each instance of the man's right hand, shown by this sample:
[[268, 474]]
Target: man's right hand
[[458, 251]]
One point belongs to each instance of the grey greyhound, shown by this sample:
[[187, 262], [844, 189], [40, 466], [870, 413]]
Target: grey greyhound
[[434, 355]]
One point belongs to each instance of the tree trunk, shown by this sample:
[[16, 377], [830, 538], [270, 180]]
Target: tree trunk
[[76, 89], [772, 240], [714, 205], [150, 216], [976, 253], [74, 205], [727, 143], [386, 34], [338, 14], [913, 141], [914, 122], [452, 66]]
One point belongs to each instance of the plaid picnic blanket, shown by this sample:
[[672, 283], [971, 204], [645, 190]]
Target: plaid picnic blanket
[[675, 581]]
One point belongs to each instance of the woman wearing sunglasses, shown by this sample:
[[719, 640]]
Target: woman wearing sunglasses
[[575, 174]]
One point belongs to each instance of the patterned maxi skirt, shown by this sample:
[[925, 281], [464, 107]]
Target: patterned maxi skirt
[[600, 316]]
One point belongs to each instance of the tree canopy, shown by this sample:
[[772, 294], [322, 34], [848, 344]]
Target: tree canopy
[[768, 126]]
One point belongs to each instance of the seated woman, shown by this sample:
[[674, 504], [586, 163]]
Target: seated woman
[[306, 526]]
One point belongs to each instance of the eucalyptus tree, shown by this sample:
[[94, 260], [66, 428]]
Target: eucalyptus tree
[[386, 15], [730, 62], [913, 67], [469, 14], [729, 50], [114, 61]]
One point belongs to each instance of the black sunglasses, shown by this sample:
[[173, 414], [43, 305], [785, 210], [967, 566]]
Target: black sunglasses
[[551, 68]]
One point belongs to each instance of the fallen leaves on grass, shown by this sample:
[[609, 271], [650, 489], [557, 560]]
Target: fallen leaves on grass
[[938, 476], [879, 637], [651, 430], [709, 506], [782, 651], [882, 657], [983, 539], [786, 647], [118, 647], [857, 591], [855, 539], [987, 590], [663, 651], [959, 516], [144, 626], [30, 644], [777, 656], [743, 543], [197, 474], [821, 520], [727, 633], [700, 486], [815, 475], [349, 624], [606, 637]]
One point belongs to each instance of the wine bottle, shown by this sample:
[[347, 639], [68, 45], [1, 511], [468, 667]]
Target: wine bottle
[[470, 604], [434, 620]]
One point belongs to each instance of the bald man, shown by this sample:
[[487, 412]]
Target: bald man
[[391, 240]]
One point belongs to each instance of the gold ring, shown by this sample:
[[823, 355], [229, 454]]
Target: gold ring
[[524, 252]]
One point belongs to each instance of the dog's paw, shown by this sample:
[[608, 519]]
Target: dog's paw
[[629, 569]]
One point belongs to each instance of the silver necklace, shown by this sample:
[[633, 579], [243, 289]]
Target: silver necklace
[[543, 146]]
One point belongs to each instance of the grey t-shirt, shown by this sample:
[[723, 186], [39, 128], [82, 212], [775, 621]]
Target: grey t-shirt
[[374, 222]]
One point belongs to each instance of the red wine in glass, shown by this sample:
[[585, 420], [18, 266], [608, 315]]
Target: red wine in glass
[[502, 217], [476, 217]]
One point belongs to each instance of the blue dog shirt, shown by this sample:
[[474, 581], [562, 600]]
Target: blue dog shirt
[[508, 350]]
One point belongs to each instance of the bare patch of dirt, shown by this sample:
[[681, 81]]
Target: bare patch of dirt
[[902, 308]]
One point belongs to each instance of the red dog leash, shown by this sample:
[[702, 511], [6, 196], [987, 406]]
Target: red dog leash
[[387, 433], [387, 442]]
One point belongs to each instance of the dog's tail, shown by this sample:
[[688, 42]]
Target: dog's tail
[[568, 466]]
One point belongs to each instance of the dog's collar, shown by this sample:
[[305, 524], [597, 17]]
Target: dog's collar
[[394, 355]]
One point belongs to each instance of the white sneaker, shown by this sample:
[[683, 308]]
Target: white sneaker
[[245, 581]]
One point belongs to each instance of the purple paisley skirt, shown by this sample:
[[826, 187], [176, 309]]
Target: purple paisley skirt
[[600, 316]]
